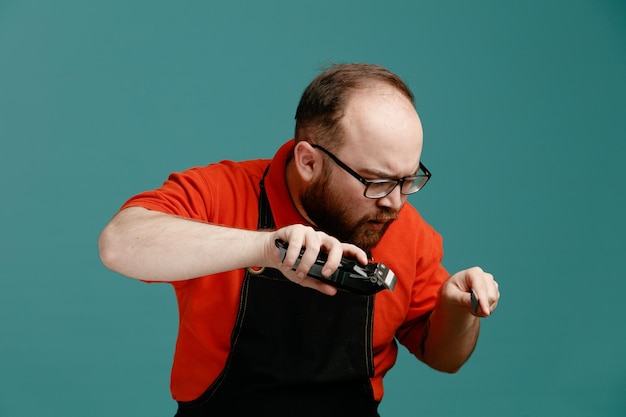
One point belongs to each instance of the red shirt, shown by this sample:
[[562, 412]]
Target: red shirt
[[226, 193]]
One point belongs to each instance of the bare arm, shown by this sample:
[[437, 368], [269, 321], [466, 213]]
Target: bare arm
[[150, 245], [454, 325]]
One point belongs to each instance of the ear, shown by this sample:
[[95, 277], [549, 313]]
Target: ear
[[308, 162]]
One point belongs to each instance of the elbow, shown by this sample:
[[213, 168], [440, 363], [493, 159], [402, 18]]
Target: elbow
[[450, 369], [110, 254], [445, 363], [445, 367], [117, 243]]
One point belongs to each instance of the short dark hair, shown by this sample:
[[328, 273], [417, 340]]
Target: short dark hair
[[323, 102]]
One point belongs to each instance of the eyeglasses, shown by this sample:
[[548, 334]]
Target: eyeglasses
[[380, 188]]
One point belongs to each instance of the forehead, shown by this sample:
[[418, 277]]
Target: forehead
[[381, 126]]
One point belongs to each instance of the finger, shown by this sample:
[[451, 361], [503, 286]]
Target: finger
[[307, 281], [335, 252], [333, 259], [477, 305], [319, 286], [297, 242], [294, 241], [489, 295], [308, 258], [494, 296], [302, 253], [355, 252]]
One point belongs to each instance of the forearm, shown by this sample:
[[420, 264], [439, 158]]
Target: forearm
[[149, 245], [451, 338], [454, 324]]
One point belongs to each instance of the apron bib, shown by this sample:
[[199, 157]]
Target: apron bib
[[294, 351]]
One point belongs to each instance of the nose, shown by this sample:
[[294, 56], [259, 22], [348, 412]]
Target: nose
[[394, 200]]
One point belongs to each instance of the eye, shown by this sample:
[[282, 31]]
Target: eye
[[379, 188], [413, 184]]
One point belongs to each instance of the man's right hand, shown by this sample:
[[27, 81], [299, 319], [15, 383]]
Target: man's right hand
[[299, 237]]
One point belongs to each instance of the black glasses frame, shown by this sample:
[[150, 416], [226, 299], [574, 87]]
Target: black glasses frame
[[423, 178]]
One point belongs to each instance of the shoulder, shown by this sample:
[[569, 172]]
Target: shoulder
[[411, 237], [241, 172], [412, 225], [203, 192]]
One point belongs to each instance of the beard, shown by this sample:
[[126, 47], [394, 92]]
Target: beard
[[330, 213]]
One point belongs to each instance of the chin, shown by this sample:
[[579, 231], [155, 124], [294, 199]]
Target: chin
[[369, 239]]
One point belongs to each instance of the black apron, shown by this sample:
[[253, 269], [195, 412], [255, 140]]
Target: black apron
[[295, 351]]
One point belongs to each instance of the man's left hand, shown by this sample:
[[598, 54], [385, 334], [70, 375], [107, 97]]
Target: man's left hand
[[459, 287]]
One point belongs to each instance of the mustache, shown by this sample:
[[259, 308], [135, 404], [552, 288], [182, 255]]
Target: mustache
[[384, 216]]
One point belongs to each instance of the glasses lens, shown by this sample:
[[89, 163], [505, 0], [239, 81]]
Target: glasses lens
[[413, 184], [379, 189]]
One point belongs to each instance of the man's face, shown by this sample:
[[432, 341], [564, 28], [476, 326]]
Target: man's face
[[333, 211], [383, 139]]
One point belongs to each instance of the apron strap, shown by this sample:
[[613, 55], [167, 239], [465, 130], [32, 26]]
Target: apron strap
[[266, 220]]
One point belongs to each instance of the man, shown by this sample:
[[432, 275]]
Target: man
[[256, 334]]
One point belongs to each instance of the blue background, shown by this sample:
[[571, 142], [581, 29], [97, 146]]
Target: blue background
[[524, 113]]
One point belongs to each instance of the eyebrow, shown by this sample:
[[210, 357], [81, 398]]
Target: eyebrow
[[384, 175]]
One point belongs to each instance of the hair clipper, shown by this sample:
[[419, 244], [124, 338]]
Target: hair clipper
[[350, 275]]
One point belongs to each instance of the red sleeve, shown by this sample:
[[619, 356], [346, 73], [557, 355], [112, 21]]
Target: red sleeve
[[220, 193], [185, 194], [430, 276]]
